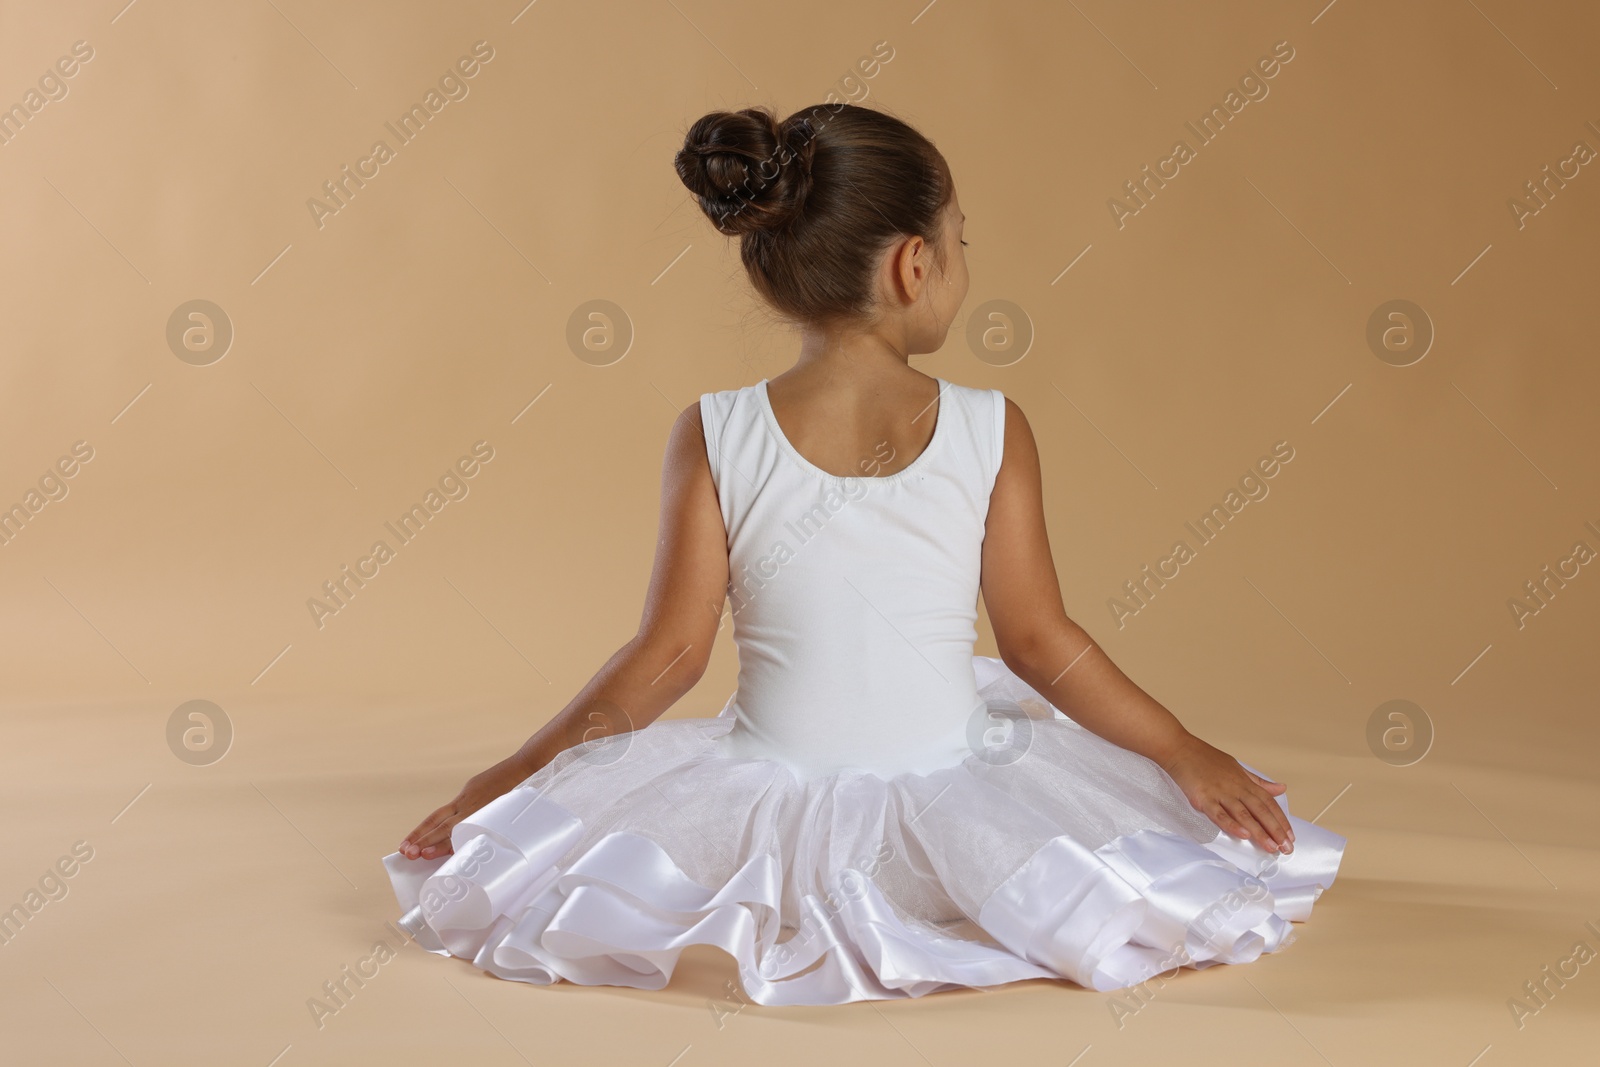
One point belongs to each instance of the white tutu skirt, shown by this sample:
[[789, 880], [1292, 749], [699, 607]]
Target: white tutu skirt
[[1079, 860]]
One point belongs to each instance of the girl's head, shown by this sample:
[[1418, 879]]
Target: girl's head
[[847, 217]]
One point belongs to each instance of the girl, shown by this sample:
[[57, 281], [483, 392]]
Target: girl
[[876, 812]]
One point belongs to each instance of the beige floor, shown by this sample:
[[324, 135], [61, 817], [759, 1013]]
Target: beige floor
[[346, 363], [219, 899]]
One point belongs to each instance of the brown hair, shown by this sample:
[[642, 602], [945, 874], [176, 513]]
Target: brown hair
[[815, 199]]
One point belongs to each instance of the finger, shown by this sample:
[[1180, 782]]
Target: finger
[[1276, 821], [426, 831], [1253, 829], [1284, 827], [443, 848], [425, 827], [1271, 818], [436, 842], [1275, 788], [437, 836], [435, 817], [1224, 819], [1280, 824]]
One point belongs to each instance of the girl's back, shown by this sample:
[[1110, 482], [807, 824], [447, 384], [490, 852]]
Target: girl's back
[[877, 811], [854, 598]]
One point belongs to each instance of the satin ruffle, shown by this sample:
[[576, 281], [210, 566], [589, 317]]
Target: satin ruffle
[[1080, 860]]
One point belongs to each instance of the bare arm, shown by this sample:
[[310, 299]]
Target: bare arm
[[683, 607], [1059, 659], [662, 661]]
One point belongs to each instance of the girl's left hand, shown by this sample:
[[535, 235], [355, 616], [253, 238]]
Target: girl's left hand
[[431, 838], [1239, 802]]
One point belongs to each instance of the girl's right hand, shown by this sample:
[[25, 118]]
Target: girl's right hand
[[431, 838], [1239, 801]]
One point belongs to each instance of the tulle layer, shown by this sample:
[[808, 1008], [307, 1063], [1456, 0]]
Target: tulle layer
[[1055, 854]]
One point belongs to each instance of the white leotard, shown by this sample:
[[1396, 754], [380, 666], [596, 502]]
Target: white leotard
[[854, 599]]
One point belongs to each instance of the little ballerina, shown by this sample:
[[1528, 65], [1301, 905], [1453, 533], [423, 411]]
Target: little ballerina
[[876, 812]]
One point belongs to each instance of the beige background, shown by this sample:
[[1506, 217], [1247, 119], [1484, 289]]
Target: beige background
[[1228, 314]]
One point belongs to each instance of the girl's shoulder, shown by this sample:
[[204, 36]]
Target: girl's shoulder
[[984, 413]]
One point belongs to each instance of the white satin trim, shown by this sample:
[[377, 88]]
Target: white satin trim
[[622, 912]]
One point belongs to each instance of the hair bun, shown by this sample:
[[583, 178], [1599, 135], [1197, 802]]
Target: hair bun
[[750, 172]]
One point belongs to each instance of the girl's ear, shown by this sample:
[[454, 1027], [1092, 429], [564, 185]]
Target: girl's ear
[[902, 273], [914, 266]]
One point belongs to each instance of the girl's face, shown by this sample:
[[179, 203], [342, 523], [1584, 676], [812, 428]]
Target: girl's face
[[948, 289]]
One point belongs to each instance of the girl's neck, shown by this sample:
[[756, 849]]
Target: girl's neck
[[850, 354]]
